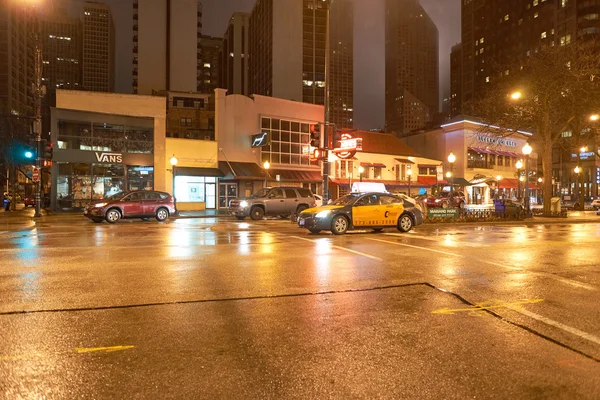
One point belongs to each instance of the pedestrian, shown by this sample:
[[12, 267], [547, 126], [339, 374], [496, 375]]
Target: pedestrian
[[7, 199]]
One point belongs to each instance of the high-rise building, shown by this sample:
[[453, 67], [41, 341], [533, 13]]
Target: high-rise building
[[17, 27], [341, 64], [62, 49], [234, 55], [411, 67], [208, 64], [98, 68], [456, 80], [166, 45]]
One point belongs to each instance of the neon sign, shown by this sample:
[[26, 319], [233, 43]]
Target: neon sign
[[348, 146]]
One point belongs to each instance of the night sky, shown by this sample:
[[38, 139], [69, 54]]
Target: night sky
[[369, 88]]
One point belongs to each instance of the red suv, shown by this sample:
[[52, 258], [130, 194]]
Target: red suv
[[443, 200], [142, 204]]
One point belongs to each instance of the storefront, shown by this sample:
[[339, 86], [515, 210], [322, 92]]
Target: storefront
[[98, 155], [196, 188]]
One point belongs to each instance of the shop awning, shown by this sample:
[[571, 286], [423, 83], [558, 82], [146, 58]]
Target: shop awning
[[378, 165], [513, 183], [241, 170], [366, 164], [430, 180], [427, 166], [194, 171], [460, 182], [292, 175], [388, 184], [404, 160]]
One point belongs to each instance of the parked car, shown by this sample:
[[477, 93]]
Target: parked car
[[443, 200], [29, 201], [596, 204], [142, 204], [279, 201]]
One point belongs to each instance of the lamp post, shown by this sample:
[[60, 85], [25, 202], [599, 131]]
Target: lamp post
[[173, 162], [526, 152], [451, 160], [498, 179], [578, 172], [409, 173], [266, 166], [581, 176], [361, 169], [519, 166]]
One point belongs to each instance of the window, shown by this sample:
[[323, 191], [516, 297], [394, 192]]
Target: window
[[384, 200], [370, 200], [377, 172], [543, 35], [290, 194], [185, 122], [289, 141], [304, 192], [276, 194], [500, 160], [506, 17]]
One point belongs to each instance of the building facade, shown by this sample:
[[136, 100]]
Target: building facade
[[17, 24], [234, 55], [252, 131], [105, 143], [98, 67], [208, 66], [386, 159], [166, 45], [190, 115], [456, 80], [411, 67], [486, 159]]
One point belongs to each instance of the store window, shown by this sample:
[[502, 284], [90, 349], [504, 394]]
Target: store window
[[289, 142], [80, 184], [140, 178], [196, 189]]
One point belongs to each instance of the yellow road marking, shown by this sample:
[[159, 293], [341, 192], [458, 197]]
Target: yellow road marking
[[484, 306], [106, 349]]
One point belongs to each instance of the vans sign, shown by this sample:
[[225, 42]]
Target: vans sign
[[109, 157]]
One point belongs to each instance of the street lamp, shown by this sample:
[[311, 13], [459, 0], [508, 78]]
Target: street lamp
[[594, 117], [527, 152], [451, 160], [409, 173], [361, 169], [519, 166], [516, 95], [173, 162], [266, 166]]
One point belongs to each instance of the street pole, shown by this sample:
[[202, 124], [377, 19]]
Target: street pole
[[326, 109], [527, 185], [38, 91]]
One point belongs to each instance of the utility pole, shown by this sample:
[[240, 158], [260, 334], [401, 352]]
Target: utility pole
[[326, 108], [39, 91]]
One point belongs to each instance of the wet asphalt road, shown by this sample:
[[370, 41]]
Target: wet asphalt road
[[206, 308]]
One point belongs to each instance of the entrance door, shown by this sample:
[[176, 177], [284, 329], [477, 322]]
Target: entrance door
[[227, 192], [211, 196]]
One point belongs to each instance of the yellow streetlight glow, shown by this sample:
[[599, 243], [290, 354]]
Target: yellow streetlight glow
[[174, 160], [267, 165], [361, 169], [498, 178], [583, 149], [522, 178], [516, 95], [540, 180], [409, 172], [577, 169], [448, 174], [519, 164], [527, 149], [451, 158], [594, 117]]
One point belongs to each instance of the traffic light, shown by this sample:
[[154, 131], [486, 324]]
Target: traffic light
[[28, 154], [320, 154], [48, 150], [315, 135], [337, 140]]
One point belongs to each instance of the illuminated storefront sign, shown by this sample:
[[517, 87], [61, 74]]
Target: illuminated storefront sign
[[348, 146], [492, 140]]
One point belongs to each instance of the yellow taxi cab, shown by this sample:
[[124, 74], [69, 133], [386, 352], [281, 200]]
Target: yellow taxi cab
[[373, 210]]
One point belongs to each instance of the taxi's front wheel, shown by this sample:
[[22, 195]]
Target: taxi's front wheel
[[405, 223], [339, 225]]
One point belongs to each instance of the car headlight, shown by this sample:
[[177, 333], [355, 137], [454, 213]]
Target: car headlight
[[323, 214], [243, 204], [98, 205], [437, 200]]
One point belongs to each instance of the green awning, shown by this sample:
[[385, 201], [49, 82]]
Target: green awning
[[461, 182]]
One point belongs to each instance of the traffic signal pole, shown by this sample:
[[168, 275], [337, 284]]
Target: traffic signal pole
[[326, 127], [38, 91]]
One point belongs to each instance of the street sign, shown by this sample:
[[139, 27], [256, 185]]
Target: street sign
[[442, 213], [35, 176]]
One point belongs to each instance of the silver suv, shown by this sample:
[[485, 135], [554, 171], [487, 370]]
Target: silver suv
[[279, 201]]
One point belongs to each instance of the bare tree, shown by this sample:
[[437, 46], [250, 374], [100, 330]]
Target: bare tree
[[554, 93]]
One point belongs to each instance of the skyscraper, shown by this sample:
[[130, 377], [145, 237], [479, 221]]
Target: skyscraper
[[17, 29], [341, 64], [234, 55], [455, 80], [208, 65], [166, 45], [411, 67], [98, 69]]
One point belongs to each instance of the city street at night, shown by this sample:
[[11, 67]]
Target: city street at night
[[219, 308]]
